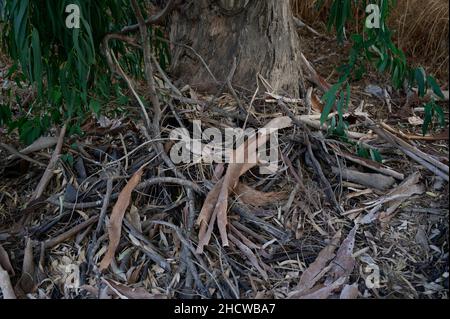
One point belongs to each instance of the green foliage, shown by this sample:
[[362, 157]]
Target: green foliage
[[374, 46], [68, 159], [369, 153], [432, 110], [65, 66]]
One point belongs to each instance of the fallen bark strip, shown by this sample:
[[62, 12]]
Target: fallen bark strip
[[314, 122], [377, 181], [419, 153]]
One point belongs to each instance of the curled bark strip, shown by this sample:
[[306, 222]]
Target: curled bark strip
[[26, 282], [251, 196]]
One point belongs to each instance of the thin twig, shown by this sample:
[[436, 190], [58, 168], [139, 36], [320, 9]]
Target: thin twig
[[148, 67], [106, 201], [16, 153], [153, 181], [70, 233], [326, 184]]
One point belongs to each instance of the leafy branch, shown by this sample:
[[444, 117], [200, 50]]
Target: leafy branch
[[374, 46]]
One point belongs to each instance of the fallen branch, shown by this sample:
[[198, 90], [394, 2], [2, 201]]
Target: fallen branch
[[300, 24], [70, 233], [324, 181], [439, 137], [377, 181], [51, 165], [323, 85], [422, 158], [17, 154], [40, 144], [153, 181], [371, 164]]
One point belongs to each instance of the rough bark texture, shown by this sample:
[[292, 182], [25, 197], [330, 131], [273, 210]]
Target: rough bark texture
[[260, 34]]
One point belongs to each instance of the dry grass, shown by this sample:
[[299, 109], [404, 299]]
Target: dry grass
[[421, 29]]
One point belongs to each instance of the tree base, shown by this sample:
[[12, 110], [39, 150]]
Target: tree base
[[261, 36]]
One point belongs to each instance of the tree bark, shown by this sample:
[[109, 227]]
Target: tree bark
[[259, 34]]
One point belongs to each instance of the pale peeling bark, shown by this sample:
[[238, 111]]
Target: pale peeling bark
[[260, 34]]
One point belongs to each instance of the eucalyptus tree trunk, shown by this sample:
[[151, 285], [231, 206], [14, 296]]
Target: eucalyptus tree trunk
[[259, 35]]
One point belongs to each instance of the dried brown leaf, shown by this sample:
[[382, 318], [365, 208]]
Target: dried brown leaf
[[250, 255], [115, 222], [406, 189], [344, 262], [312, 274]]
